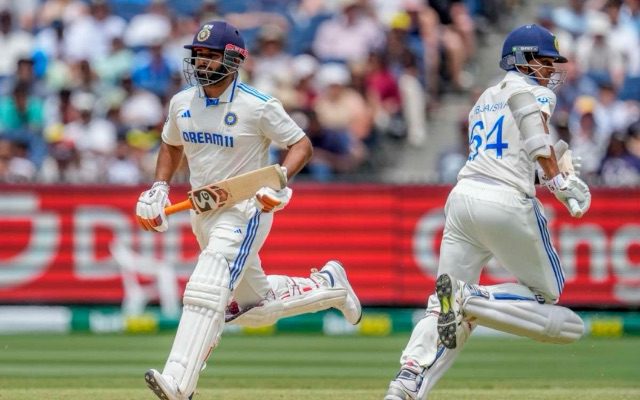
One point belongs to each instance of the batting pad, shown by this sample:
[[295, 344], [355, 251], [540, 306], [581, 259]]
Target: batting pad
[[541, 322], [205, 300], [298, 302]]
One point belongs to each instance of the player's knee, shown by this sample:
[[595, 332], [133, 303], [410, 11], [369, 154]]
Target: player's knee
[[208, 286]]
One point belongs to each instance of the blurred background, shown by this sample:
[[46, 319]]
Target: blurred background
[[383, 89]]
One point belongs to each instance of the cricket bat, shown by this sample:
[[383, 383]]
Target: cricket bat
[[230, 191]]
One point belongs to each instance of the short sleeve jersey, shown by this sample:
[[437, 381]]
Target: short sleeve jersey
[[496, 151], [229, 135]]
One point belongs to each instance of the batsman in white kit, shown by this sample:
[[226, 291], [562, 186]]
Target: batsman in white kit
[[492, 212], [224, 128]]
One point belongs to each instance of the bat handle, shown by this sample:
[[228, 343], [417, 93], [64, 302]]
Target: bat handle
[[174, 208], [575, 208]]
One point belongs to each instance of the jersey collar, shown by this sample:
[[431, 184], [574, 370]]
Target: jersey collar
[[519, 75], [226, 97]]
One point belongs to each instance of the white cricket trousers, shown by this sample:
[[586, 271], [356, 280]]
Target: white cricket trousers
[[238, 233], [485, 220]]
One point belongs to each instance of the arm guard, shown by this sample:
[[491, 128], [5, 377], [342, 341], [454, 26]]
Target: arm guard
[[526, 112]]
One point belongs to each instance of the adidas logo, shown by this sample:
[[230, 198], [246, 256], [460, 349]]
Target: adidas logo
[[237, 230], [186, 114]]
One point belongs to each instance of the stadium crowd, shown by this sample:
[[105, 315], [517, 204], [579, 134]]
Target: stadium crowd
[[84, 85]]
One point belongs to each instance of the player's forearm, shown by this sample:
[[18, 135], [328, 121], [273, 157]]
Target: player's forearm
[[298, 156], [549, 165], [168, 161]]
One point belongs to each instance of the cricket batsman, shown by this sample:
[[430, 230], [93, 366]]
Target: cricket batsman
[[224, 127], [492, 212]]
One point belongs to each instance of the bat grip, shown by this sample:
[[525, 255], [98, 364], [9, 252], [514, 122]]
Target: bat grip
[[575, 208], [174, 208]]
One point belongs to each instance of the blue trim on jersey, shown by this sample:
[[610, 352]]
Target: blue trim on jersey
[[509, 296], [233, 89], [245, 248], [551, 253], [253, 91]]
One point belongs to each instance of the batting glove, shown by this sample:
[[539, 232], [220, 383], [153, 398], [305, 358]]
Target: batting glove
[[150, 208], [270, 200], [572, 192]]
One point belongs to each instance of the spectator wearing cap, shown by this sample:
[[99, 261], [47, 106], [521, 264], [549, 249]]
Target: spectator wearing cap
[[587, 139], [303, 69], [349, 36], [341, 108], [269, 62]]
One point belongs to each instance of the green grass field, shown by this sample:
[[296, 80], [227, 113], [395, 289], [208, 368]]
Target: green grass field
[[284, 367]]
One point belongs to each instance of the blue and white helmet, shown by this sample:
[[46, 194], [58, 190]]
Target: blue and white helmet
[[537, 42], [219, 36]]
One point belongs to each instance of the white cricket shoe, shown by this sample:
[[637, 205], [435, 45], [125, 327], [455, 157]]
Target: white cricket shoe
[[164, 387], [351, 309], [407, 383], [450, 295]]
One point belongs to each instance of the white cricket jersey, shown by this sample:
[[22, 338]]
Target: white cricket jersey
[[230, 135], [496, 151]]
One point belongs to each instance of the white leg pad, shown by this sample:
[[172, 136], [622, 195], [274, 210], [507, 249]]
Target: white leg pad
[[541, 322], [293, 296], [205, 300]]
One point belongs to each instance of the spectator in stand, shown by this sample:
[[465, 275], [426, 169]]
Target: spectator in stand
[[92, 136], [22, 119], [152, 71], [621, 164], [335, 152], [121, 167], [611, 113], [15, 44], [349, 36], [587, 139], [14, 166], [596, 55], [457, 38], [119, 62], [303, 69], [270, 60], [90, 36], [383, 95], [153, 26], [339, 107], [141, 109]]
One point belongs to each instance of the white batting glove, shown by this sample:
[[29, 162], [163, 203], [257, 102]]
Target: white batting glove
[[572, 192], [576, 161], [270, 200], [150, 208]]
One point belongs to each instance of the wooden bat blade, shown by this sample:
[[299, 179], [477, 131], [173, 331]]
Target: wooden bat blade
[[230, 191]]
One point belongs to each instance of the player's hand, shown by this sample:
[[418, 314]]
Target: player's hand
[[270, 200], [572, 192], [150, 208]]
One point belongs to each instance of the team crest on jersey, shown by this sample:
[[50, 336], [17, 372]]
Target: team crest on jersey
[[204, 33], [230, 119]]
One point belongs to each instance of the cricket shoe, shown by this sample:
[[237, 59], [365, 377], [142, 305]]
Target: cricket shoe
[[450, 321], [164, 387], [335, 275], [407, 383]]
